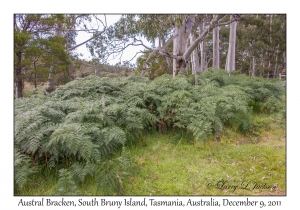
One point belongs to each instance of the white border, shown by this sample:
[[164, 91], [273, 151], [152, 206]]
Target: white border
[[153, 6]]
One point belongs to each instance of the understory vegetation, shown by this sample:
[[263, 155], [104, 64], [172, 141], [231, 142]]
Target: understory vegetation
[[98, 131]]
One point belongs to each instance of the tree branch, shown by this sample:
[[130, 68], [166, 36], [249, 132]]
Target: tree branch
[[135, 55], [228, 22], [72, 48], [169, 41], [146, 62], [161, 51]]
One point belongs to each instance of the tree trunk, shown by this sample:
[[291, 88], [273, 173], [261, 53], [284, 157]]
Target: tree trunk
[[50, 83], [216, 47], [253, 66], [19, 78], [19, 88], [194, 57], [175, 31], [180, 43], [276, 66], [203, 56], [195, 60], [271, 67], [263, 65], [250, 67], [35, 79], [230, 61], [193, 65], [179, 47], [181, 53], [284, 61]]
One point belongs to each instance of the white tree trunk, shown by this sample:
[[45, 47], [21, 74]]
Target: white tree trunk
[[193, 65], [180, 43], [203, 51], [216, 47], [195, 60], [230, 61], [203, 56], [175, 31], [179, 47], [194, 57]]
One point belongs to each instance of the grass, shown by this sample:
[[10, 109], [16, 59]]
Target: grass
[[211, 168], [175, 165]]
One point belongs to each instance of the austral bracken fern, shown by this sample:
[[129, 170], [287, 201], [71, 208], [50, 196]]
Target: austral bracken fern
[[83, 127]]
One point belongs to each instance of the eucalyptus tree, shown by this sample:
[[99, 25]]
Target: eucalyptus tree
[[183, 51], [230, 61], [133, 30], [216, 47], [164, 29]]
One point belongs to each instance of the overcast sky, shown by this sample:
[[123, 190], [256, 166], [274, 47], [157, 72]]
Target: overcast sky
[[128, 54]]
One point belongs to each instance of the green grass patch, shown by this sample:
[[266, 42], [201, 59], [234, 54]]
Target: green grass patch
[[209, 168]]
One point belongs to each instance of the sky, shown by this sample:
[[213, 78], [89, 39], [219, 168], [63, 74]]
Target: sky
[[128, 54]]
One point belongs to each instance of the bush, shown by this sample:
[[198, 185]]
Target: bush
[[82, 126]]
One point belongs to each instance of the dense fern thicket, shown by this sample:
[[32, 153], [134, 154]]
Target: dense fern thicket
[[82, 128]]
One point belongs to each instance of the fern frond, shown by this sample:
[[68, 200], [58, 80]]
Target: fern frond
[[81, 171], [22, 168], [114, 137], [66, 184], [112, 173], [200, 128]]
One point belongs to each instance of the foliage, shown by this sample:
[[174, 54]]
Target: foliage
[[43, 42], [95, 67], [22, 168], [262, 37], [81, 128], [172, 164], [66, 184], [156, 66], [36, 48]]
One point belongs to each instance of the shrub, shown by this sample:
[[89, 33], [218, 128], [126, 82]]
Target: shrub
[[82, 126]]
